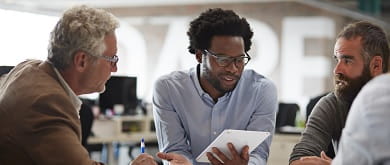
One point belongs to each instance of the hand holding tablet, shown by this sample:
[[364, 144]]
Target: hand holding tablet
[[239, 138]]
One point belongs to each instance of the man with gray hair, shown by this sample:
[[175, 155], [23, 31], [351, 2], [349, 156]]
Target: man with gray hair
[[38, 99]]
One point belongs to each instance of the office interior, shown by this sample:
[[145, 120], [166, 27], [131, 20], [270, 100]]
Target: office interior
[[292, 45]]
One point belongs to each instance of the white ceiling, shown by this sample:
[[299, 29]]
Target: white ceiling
[[59, 5], [55, 7]]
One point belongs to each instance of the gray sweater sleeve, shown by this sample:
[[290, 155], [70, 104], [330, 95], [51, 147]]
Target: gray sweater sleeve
[[319, 129]]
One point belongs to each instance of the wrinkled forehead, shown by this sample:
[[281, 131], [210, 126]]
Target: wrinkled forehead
[[350, 46]]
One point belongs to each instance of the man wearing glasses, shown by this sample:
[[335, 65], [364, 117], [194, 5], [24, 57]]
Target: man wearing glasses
[[39, 107], [191, 108]]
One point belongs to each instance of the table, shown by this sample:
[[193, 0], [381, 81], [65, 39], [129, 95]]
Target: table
[[111, 130]]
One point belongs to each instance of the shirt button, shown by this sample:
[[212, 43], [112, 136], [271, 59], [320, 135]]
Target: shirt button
[[215, 133]]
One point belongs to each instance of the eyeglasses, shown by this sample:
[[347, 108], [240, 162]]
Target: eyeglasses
[[223, 60], [114, 59]]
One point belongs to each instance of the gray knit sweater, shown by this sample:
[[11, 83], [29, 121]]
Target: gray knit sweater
[[323, 127]]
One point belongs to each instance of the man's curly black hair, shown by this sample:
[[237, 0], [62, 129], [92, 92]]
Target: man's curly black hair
[[217, 22]]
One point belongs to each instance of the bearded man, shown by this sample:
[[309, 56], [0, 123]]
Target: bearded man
[[361, 53]]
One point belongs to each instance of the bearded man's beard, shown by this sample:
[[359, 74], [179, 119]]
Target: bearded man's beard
[[348, 88]]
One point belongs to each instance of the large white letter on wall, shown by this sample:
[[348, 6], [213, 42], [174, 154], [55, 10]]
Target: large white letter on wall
[[132, 56], [294, 65], [267, 48], [174, 53]]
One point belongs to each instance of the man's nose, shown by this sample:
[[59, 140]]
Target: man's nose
[[339, 68]]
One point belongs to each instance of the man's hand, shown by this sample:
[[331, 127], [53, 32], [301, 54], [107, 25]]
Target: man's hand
[[174, 159], [143, 159], [236, 158], [324, 156], [313, 160]]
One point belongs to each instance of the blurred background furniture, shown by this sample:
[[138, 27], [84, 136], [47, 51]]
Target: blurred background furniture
[[5, 69]]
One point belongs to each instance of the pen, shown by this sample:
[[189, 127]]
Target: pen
[[142, 145]]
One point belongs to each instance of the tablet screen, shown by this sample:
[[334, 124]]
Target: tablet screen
[[239, 138]]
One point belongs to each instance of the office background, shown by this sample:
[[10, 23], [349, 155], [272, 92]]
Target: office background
[[293, 41], [292, 45]]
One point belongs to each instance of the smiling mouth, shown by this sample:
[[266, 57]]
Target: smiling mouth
[[340, 83], [229, 78]]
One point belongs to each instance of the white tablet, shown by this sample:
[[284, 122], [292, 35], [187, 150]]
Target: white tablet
[[239, 138]]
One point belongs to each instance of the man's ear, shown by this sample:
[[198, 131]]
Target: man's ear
[[198, 55], [80, 61], [376, 65]]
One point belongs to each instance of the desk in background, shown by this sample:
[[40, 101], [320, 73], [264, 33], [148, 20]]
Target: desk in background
[[121, 129]]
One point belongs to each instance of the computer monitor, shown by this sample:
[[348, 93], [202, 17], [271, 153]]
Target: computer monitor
[[120, 90], [5, 69]]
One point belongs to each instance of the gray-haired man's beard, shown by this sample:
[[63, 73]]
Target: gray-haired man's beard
[[347, 88]]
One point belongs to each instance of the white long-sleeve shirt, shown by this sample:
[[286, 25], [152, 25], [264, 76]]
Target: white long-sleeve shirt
[[366, 136]]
